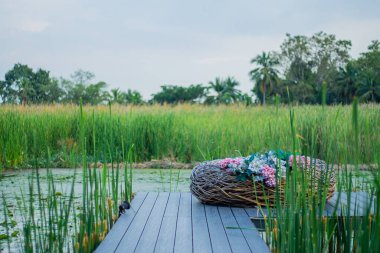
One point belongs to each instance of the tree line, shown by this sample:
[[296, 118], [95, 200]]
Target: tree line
[[304, 70]]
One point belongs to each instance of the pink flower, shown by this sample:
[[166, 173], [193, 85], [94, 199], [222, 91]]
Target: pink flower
[[300, 160], [269, 176], [267, 171], [225, 162], [271, 182]]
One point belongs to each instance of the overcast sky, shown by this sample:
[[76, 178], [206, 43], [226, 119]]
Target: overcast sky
[[144, 44]]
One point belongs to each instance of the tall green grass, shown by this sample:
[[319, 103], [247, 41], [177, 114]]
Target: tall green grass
[[299, 224], [51, 220], [44, 136], [185, 132]]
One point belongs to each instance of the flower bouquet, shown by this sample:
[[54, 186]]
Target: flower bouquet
[[255, 179]]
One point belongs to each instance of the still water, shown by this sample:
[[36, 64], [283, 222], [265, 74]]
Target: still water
[[14, 185]]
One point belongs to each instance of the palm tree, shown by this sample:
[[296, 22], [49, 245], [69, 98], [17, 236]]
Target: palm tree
[[265, 75], [225, 90], [346, 83], [132, 97], [369, 88], [218, 87], [231, 94], [116, 96]]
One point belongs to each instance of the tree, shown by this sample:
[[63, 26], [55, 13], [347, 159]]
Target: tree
[[346, 83], [369, 88], [67, 87], [80, 88], [23, 85], [225, 91], [46, 88], [368, 66], [75, 93], [95, 94], [310, 61], [265, 75], [132, 97], [26, 91], [17, 86], [116, 96], [53, 92], [82, 77], [218, 87], [328, 54], [173, 94]]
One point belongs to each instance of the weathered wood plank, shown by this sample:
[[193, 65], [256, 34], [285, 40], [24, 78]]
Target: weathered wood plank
[[150, 234], [184, 232], [114, 236], [333, 205], [355, 205], [166, 237], [219, 241], [177, 222], [256, 212], [367, 202], [130, 239], [252, 236], [201, 236], [235, 236]]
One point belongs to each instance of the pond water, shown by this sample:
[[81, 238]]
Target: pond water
[[14, 184]]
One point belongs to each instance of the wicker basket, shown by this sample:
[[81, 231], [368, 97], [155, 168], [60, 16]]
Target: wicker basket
[[213, 185]]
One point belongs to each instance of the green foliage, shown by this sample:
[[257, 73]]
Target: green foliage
[[181, 132], [23, 85], [225, 92], [265, 75], [312, 61], [172, 94], [53, 221], [299, 222]]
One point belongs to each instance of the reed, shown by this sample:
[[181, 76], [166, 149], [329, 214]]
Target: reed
[[69, 136], [53, 221], [185, 132], [299, 224]]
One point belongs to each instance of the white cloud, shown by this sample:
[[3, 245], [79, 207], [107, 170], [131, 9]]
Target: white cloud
[[34, 26]]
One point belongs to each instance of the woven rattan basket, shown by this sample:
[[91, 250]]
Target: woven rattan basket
[[213, 185]]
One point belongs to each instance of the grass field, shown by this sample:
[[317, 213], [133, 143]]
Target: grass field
[[70, 136], [184, 133]]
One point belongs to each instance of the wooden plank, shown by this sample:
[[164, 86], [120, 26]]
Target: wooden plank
[[252, 236], [130, 239], [365, 201], [363, 196], [166, 237], [184, 230], [256, 211], [355, 207], [150, 234], [332, 204], [201, 236], [352, 206], [218, 237], [235, 236], [343, 203], [358, 203], [114, 236]]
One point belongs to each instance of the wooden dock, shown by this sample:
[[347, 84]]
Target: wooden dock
[[178, 222]]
